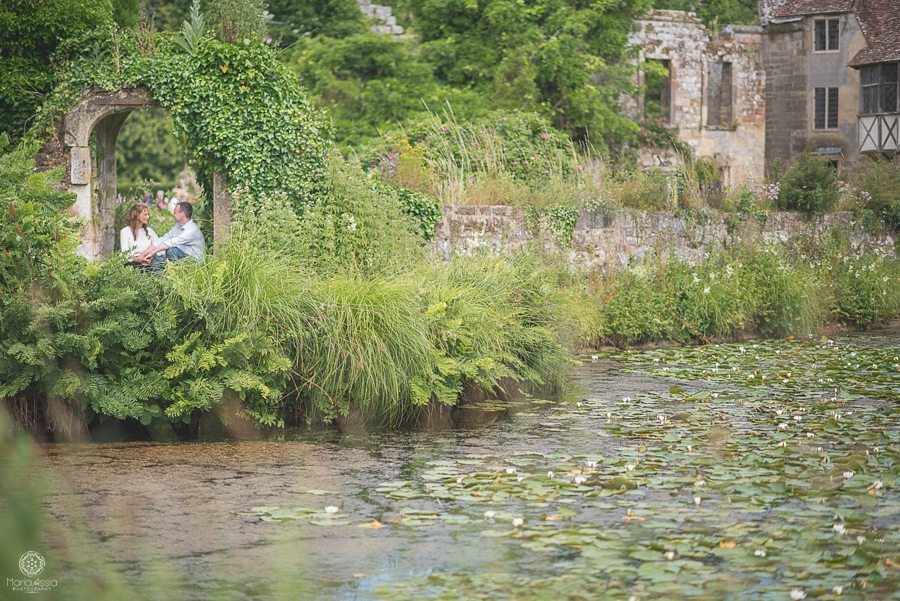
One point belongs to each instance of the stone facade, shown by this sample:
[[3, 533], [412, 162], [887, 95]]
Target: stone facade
[[812, 45], [715, 95], [609, 241], [793, 72]]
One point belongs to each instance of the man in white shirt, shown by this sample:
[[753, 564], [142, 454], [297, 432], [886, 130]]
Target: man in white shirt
[[182, 241]]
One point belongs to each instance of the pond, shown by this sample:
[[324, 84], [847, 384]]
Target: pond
[[763, 470]]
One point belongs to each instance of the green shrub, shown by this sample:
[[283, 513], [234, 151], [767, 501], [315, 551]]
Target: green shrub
[[866, 290], [423, 209], [879, 182], [639, 306], [359, 226], [495, 317], [809, 186], [789, 297], [33, 221], [712, 301]]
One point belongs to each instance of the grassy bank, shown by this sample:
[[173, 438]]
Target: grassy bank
[[343, 312]]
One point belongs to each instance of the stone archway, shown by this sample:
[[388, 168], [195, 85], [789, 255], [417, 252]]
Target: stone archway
[[103, 114]]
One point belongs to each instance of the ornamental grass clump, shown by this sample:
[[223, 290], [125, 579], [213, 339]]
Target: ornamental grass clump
[[362, 350], [492, 317]]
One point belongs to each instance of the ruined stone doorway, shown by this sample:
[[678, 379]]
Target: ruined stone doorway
[[99, 117]]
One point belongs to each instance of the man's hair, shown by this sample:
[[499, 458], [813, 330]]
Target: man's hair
[[186, 208]]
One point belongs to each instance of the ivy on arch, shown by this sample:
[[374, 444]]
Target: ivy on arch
[[236, 108]]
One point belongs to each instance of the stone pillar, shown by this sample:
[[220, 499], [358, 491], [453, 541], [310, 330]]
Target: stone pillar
[[221, 210], [80, 184], [107, 131]]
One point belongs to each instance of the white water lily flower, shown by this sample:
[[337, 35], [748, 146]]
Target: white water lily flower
[[551, 474], [608, 416], [878, 484], [459, 480], [697, 500], [661, 417], [779, 411], [629, 467], [798, 594], [797, 418], [760, 552], [489, 514], [519, 478], [591, 464], [809, 434], [670, 555], [331, 509], [782, 443], [518, 522], [690, 448], [579, 480], [510, 470], [626, 399], [837, 589], [714, 395], [595, 358], [848, 474], [860, 539], [783, 426], [840, 529]]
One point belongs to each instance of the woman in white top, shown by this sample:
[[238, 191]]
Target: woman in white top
[[137, 235]]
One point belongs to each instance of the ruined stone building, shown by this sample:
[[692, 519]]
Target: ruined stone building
[[817, 76], [711, 88], [832, 72]]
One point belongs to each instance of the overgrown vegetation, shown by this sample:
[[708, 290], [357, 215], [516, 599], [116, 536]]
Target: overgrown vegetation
[[750, 291], [337, 313], [324, 302]]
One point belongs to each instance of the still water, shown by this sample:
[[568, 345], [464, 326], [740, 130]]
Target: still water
[[749, 471]]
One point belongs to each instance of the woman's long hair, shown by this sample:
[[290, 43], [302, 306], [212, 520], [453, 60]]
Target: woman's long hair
[[134, 218]]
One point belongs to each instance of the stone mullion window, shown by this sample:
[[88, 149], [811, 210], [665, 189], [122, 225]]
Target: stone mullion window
[[826, 108], [827, 33]]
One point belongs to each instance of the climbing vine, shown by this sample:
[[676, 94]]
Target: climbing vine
[[560, 220]]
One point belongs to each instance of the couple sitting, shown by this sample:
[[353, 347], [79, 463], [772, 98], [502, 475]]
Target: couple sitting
[[144, 249]]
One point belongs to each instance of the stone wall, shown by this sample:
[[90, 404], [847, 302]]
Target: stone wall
[[383, 19], [607, 242]]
